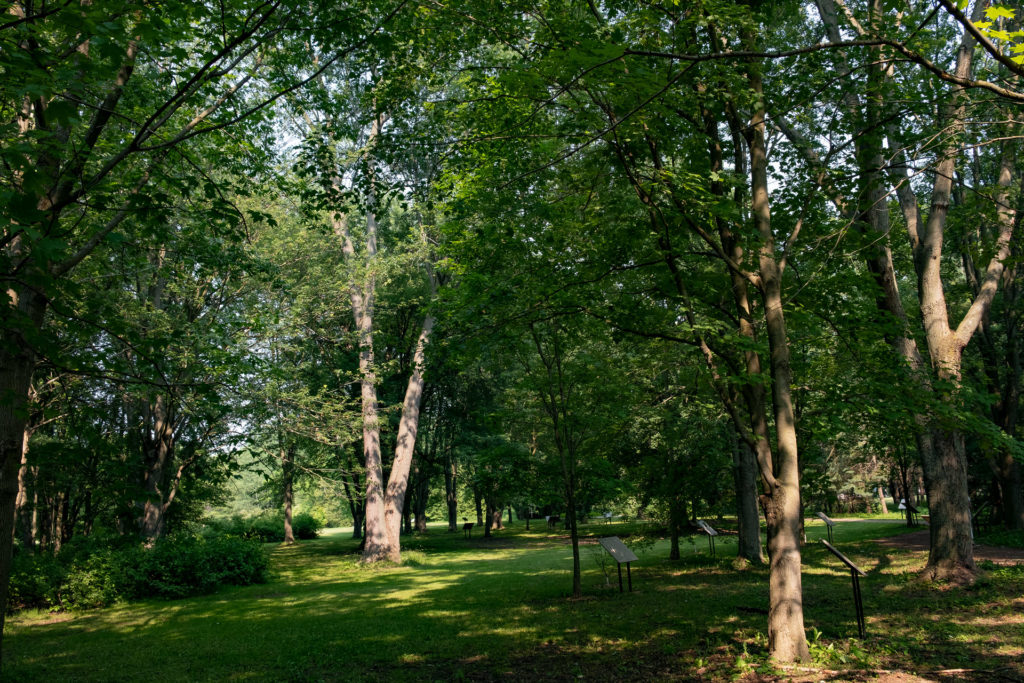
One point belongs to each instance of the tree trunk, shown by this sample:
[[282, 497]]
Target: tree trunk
[[676, 515], [478, 501], [747, 517], [17, 363], [787, 640], [881, 500], [288, 483], [488, 519], [405, 445], [422, 497], [451, 496], [158, 455], [24, 509]]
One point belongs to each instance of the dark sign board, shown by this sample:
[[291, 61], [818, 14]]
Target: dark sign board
[[617, 549]]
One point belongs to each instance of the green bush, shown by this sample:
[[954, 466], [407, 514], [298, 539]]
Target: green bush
[[267, 528], [306, 526], [88, 575]]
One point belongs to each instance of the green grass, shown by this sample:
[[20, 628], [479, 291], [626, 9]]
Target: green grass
[[499, 609]]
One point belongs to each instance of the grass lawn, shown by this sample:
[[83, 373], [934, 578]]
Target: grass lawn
[[462, 609]]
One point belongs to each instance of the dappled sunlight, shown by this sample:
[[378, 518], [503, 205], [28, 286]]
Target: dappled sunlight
[[508, 609]]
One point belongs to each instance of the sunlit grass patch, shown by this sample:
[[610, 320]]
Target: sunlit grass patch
[[486, 610]]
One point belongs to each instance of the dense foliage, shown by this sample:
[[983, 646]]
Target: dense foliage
[[95, 574]]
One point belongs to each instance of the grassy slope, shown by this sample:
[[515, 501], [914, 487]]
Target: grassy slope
[[499, 609]]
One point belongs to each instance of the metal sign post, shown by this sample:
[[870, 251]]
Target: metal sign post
[[623, 555], [711, 535], [855, 574], [829, 523], [913, 515]]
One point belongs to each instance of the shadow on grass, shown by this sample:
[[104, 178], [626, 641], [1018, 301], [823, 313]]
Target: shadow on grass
[[469, 610]]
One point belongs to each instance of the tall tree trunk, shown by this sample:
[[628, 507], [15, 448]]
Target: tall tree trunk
[[288, 485], [405, 445], [17, 363], [478, 502], [375, 541], [787, 640], [748, 519], [451, 491]]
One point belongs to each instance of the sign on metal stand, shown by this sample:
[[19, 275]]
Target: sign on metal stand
[[623, 555], [829, 523], [913, 515], [711, 535], [855, 573]]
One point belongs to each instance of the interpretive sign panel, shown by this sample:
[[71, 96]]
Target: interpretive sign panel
[[617, 549], [706, 527], [623, 556]]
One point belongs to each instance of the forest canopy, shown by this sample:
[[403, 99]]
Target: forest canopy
[[379, 263]]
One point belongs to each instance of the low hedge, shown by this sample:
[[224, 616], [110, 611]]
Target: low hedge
[[95, 575], [268, 527]]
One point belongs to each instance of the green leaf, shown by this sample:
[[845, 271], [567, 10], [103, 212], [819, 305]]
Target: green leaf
[[998, 11]]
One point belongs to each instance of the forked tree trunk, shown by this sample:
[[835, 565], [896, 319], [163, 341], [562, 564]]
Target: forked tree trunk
[[158, 456]]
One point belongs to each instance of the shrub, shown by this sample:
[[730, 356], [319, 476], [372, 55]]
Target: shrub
[[306, 526], [88, 576], [267, 528]]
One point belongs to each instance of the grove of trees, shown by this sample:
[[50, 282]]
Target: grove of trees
[[678, 259]]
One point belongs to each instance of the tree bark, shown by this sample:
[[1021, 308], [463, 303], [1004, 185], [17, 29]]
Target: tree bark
[[398, 481], [747, 515], [787, 640], [451, 491], [288, 484], [158, 456], [17, 363]]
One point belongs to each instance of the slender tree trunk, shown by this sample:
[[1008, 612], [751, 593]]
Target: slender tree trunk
[[787, 640], [675, 522], [288, 483], [23, 506], [398, 482], [478, 501], [881, 500], [451, 494]]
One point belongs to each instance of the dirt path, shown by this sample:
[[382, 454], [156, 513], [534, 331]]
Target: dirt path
[[918, 540]]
